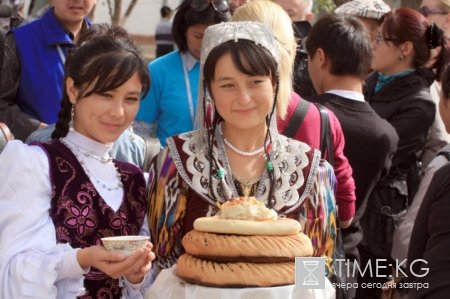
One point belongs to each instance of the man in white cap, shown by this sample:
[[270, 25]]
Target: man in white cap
[[368, 11]]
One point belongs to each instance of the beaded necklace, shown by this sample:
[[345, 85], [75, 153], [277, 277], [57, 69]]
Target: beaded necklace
[[75, 150], [103, 159], [243, 153]]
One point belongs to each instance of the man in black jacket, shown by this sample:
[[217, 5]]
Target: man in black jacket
[[339, 58]]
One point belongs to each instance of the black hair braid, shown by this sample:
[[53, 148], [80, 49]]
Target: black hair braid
[[64, 117], [271, 198], [211, 138], [210, 131]]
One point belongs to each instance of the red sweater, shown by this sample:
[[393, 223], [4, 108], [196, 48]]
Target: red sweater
[[309, 133]]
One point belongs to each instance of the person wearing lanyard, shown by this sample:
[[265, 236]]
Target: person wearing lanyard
[[171, 101], [33, 66]]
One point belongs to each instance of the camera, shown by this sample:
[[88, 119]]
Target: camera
[[302, 82]]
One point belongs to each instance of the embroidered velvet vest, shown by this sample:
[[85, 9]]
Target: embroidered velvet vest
[[81, 216]]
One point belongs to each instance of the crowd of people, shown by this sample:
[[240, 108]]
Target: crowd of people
[[341, 122]]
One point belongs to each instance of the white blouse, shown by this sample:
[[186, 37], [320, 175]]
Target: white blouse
[[32, 264]]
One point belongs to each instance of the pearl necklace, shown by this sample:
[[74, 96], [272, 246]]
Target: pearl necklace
[[103, 159], [242, 153], [91, 176]]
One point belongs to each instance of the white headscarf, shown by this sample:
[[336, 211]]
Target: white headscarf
[[218, 34]]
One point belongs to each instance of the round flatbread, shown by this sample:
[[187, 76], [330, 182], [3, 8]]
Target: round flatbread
[[234, 275], [280, 227], [257, 249]]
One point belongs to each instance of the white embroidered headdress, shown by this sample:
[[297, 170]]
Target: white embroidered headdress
[[257, 32], [218, 34]]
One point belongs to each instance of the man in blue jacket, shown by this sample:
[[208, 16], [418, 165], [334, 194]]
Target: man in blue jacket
[[33, 66]]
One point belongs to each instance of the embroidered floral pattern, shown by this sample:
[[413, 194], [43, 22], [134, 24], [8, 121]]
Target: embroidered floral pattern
[[62, 234], [120, 222], [82, 217]]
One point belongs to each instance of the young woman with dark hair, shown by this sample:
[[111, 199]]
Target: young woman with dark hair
[[428, 248], [237, 150], [399, 91], [437, 11], [170, 104], [58, 199]]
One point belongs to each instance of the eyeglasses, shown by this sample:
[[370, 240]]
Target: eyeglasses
[[379, 38], [218, 5], [426, 11]]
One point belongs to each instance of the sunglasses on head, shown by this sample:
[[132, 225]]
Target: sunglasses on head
[[426, 11], [218, 5]]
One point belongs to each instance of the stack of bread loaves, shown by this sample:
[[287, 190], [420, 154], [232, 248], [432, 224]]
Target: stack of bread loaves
[[245, 245]]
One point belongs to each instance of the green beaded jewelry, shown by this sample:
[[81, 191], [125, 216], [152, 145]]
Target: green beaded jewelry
[[220, 173], [269, 166]]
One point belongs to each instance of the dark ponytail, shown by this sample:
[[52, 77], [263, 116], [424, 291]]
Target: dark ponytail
[[406, 24], [443, 58], [445, 82], [64, 118]]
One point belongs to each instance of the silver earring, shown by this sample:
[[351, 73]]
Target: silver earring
[[72, 116], [401, 57], [131, 132]]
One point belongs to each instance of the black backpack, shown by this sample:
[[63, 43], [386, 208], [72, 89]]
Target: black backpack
[[326, 144]]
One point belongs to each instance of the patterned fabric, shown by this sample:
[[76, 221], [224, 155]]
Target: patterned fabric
[[371, 9], [223, 32], [179, 193], [82, 217]]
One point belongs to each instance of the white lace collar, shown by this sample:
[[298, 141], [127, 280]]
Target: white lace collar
[[289, 158]]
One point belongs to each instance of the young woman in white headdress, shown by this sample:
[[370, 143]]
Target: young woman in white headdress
[[237, 150]]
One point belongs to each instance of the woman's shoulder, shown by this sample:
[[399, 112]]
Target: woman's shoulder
[[129, 167], [21, 152], [166, 61], [442, 175], [22, 163], [293, 145], [190, 136], [427, 75], [295, 150], [416, 84]]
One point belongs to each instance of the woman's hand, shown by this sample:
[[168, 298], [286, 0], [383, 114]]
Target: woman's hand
[[142, 264], [114, 264]]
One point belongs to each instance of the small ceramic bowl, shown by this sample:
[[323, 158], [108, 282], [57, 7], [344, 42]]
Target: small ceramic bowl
[[125, 244]]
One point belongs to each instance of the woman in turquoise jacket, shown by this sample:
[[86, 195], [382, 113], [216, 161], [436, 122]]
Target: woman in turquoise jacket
[[171, 102]]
